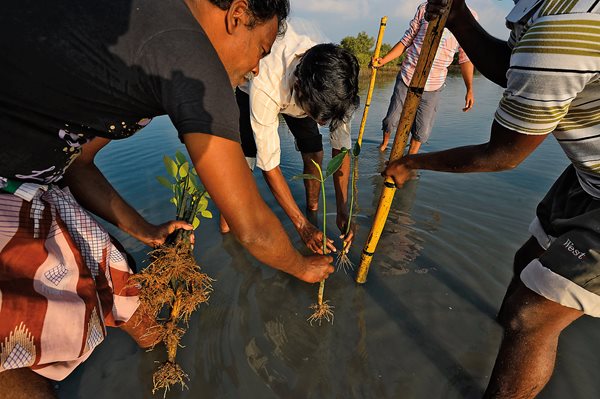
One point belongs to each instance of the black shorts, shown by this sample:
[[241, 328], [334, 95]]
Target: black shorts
[[305, 130], [567, 226]]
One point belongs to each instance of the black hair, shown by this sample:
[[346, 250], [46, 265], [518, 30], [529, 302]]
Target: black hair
[[262, 11], [327, 86]]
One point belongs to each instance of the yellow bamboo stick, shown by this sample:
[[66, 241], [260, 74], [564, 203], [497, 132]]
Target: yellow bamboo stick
[[413, 97], [363, 122]]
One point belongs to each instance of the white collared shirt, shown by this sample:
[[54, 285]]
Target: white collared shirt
[[271, 94]]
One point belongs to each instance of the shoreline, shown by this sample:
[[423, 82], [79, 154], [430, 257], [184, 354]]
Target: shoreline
[[393, 70]]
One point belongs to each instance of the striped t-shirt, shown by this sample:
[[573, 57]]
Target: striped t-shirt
[[554, 81]]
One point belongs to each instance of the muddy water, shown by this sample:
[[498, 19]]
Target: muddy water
[[423, 325]]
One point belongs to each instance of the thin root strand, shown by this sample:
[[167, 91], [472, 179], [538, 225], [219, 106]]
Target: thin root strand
[[167, 375], [322, 311], [343, 262]]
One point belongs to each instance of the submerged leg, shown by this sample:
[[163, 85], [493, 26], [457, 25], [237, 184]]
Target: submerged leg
[[415, 145], [384, 141], [528, 252], [532, 325]]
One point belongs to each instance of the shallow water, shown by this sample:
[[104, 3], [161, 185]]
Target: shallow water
[[422, 326]]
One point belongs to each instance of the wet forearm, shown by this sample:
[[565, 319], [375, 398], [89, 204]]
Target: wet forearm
[[474, 158], [281, 191], [264, 237]]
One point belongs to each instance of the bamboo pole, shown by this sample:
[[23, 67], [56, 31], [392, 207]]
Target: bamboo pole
[[363, 122], [413, 97]]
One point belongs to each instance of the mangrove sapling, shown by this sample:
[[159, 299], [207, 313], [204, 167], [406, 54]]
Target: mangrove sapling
[[173, 280], [322, 309], [343, 261]]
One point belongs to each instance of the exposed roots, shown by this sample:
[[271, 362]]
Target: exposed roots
[[172, 264], [167, 375], [172, 280], [199, 288], [343, 262], [322, 311]]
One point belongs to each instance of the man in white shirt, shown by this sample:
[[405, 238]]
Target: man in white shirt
[[309, 84]]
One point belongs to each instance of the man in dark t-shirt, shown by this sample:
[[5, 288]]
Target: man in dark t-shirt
[[78, 70], [78, 73]]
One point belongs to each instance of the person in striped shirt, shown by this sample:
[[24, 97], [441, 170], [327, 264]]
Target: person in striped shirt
[[550, 68], [411, 44]]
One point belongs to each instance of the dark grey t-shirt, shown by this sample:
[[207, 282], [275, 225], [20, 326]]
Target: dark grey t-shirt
[[75, 69]]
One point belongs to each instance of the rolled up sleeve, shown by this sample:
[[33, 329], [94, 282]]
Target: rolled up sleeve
[[264, 118]]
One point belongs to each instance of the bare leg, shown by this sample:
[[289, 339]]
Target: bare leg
[[312, 187], [384, 141], [25, 384], [532, 325], [414, 146], [139, 327], [529, 251], [223, 226]]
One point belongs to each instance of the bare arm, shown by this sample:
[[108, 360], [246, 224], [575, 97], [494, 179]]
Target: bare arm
[[466, 69], [505, 150], [491, 56], [312, 237], [223, 170], [394, 53], [96, 194]]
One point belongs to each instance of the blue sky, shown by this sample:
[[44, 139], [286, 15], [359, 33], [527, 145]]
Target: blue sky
[[336, 19]]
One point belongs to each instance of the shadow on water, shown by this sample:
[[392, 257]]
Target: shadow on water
[[463, 382]]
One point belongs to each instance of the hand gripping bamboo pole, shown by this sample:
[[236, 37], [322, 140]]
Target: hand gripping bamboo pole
[[413, 97], [363, 122]]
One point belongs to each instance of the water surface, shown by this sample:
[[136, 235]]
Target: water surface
[[423, 325]]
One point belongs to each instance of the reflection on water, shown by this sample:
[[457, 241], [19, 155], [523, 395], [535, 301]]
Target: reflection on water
[[422, 326]]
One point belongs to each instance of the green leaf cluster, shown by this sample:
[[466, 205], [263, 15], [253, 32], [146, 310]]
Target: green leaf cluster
[[332, 166], [189, 195]]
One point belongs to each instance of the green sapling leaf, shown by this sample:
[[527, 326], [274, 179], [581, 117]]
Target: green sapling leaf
[[206, 214], [306, 176], [196, 222], [193, 181], [180, 158], [165, 182], [171, 166], [184, 169], [335, 163], [356, 150], [203, 203]]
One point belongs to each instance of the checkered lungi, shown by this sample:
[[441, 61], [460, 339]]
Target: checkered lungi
[[62, 282]]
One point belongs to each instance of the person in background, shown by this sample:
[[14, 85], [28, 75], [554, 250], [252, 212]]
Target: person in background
[[550, 68], [309, 84], [411, 44], [67, 90]]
